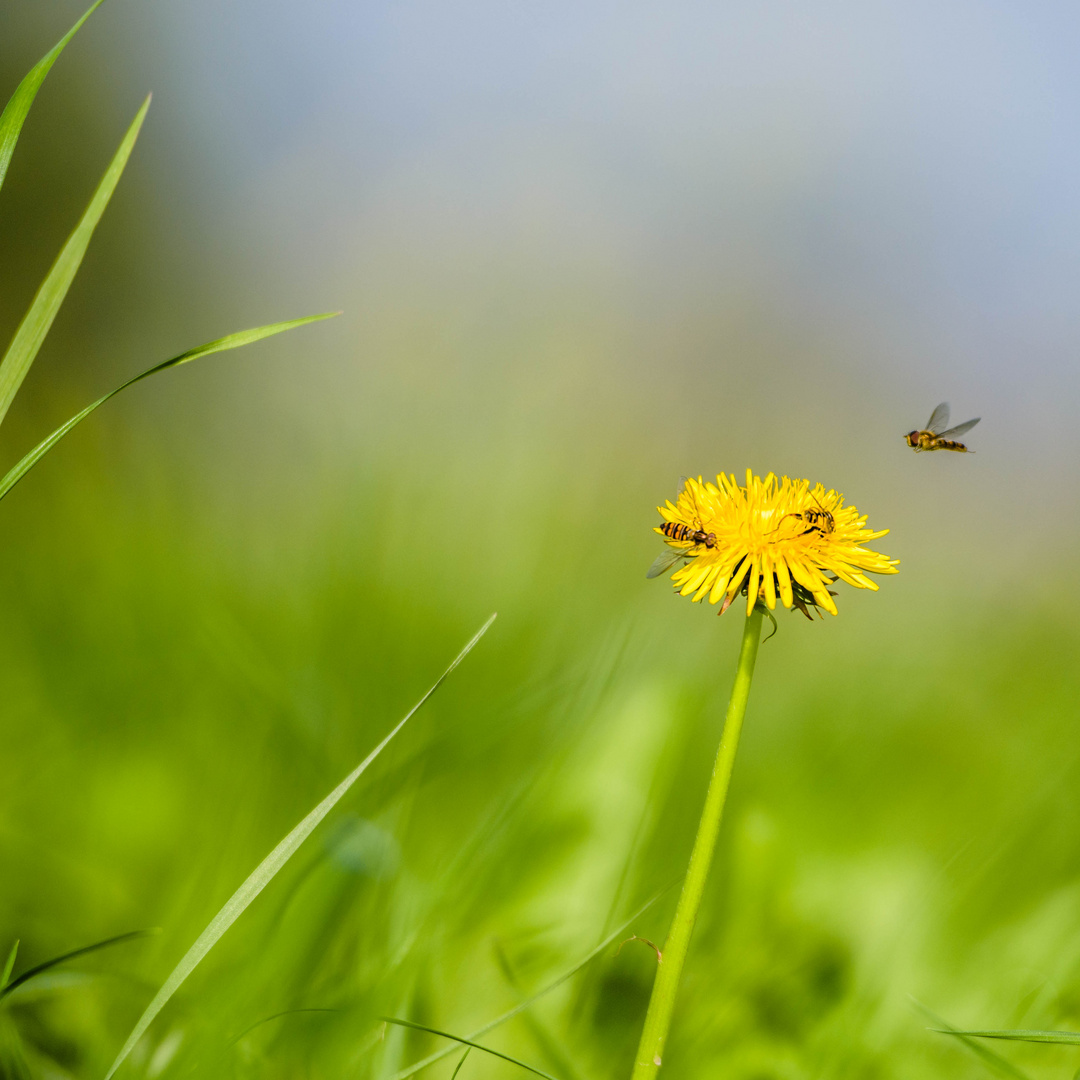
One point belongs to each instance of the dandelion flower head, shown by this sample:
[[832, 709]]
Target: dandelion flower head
[[772, 538]]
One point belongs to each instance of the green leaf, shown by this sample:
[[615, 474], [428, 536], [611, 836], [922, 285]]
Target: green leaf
[[232, 341], [423, 1063], [35, 325], [995, 1062], [1069, 1038], [6, 974], [11, 120], [469, 1043], [7, 987], [264, 873]]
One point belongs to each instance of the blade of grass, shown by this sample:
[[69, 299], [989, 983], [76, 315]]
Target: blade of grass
[[457, 1068], [995, 1062], [26, 976], [9, 966], [13, 1057], [277, 1016], [15, 112], [543, 1038], [1069, 1038], [469, 1043], [35, 325], [262, 875], [423, 1063], [231, 341]]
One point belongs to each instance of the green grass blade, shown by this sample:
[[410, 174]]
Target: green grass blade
[[994, 1062], [470, 1044], [544, 1039], [232, 341], [423, 1063], [457, 1068], [1069, 1038], [6, 974], [276, 1016], [35, 325], [7, 987], [15, 112], [262, 875]]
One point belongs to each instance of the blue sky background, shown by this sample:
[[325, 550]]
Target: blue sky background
[[665, 238]]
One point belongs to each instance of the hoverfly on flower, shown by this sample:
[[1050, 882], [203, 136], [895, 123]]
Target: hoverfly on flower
[[679, 532], [816, 518], [937, 435]]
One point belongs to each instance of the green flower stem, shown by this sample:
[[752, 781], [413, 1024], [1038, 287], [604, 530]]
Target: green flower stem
[[662, 1003]]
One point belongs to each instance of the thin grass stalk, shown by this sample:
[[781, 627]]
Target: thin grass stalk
[[265, 872], [662, 1003]]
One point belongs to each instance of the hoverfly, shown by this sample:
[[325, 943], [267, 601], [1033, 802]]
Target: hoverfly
[[817, 519], [936, 437], [679, 533]]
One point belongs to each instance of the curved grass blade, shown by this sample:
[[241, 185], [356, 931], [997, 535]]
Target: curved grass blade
[[1068, 1038], [469, 1043], [995, 1062], [11, 120], [262, 875], [37, 321], [7, 987], [231, 341], [6, 973], [423, 1063], [276, 1016]]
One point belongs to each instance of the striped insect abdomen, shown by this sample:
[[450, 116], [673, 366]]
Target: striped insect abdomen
[[677, 531]]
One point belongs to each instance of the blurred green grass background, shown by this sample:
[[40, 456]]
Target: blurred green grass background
[[221, 593]]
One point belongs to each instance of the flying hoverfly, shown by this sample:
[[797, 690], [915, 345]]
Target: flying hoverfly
[[680, 533], [937, 435], [816, 518]]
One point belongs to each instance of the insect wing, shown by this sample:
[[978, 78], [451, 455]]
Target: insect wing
[[939, 419], [665, 561], [679, 490], [956, 432]]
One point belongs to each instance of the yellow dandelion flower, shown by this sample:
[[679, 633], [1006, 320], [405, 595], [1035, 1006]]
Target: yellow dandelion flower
[[772, 538]]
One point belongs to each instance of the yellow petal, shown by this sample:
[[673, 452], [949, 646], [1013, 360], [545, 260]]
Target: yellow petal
[[785, 582], [752, 586], [697, 575], [769, 581], [718, 589], [737, 578], [823, 599], [707, 583]]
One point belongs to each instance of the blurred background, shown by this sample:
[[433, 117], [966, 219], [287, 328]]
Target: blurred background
[[581, 250]]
